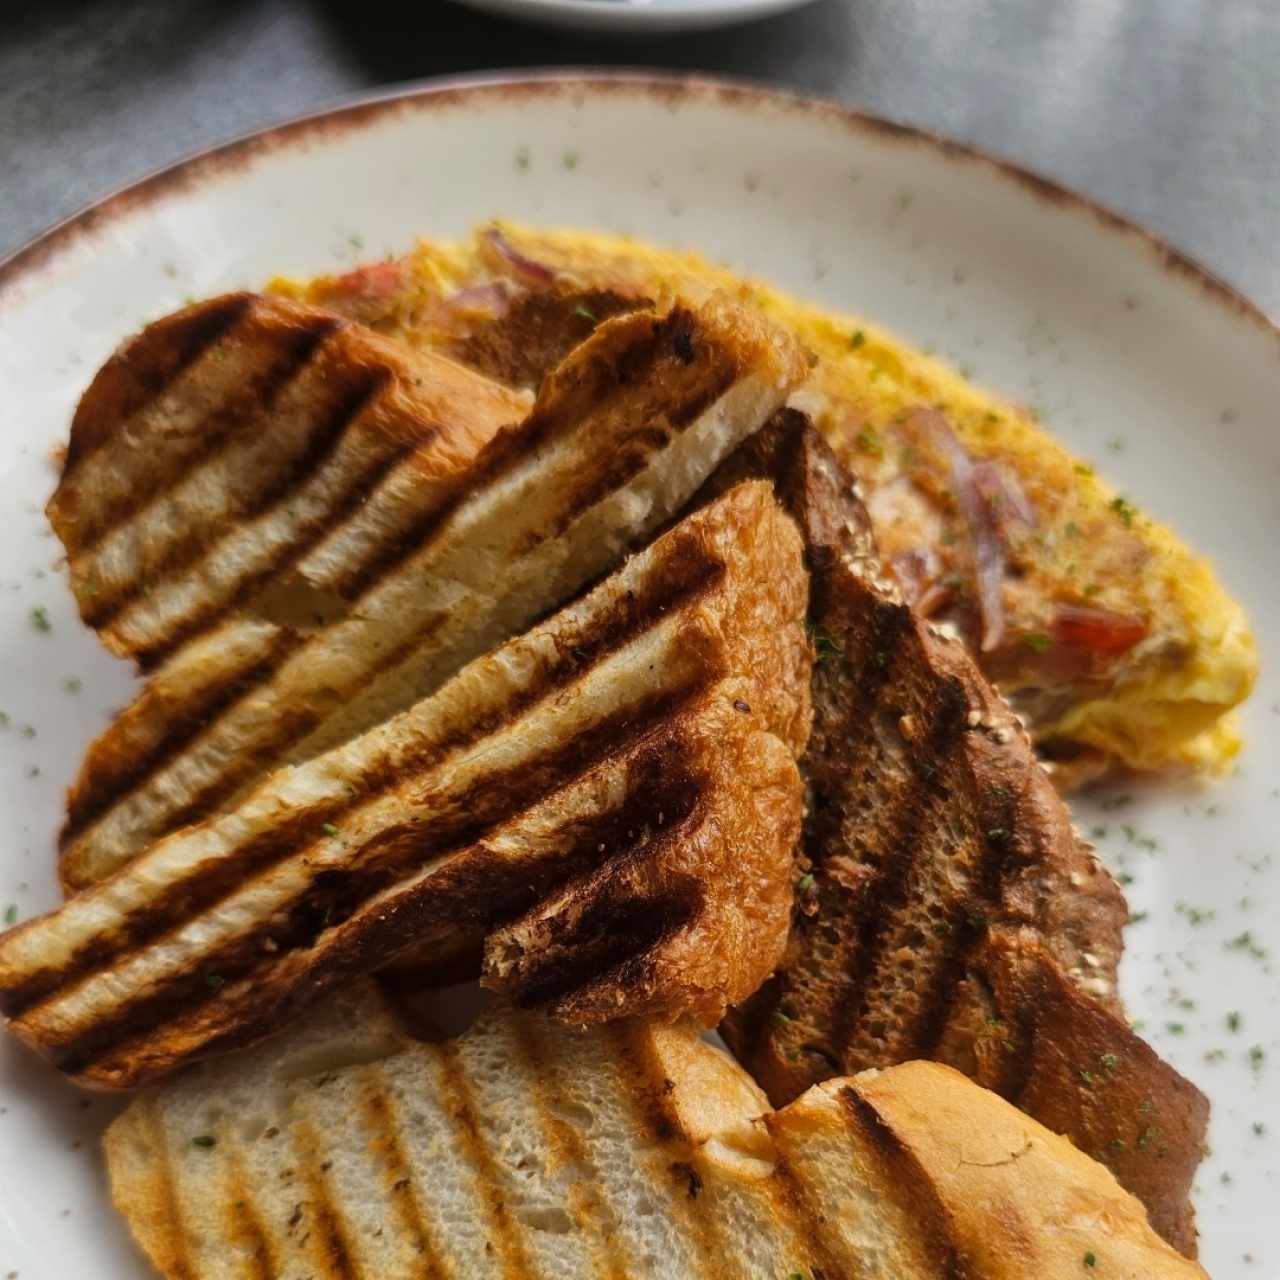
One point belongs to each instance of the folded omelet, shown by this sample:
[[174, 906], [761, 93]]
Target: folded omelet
[[1110, 636]]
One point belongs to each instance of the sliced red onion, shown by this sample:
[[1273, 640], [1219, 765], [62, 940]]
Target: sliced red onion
[[988, 547], [494, 296], [1101, 631], [1004, 496], [534, 272]]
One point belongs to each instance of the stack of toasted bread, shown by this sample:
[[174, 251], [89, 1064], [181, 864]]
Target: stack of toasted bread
[[599, 696]]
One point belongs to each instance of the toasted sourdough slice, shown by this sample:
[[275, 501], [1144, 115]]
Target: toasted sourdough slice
[[944, 883], [525, 1149], [611, 800], [302, 528]]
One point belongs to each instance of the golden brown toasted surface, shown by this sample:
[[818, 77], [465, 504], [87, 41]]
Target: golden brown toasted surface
[[332, 524], [1019, 1027], [610, 800], [933, 836], [527, 1149], [1021, 1201]]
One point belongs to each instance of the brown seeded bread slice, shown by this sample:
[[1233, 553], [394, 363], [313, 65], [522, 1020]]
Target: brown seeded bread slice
[[527, 1149], [302, 528], [610, 802], [933, 837]]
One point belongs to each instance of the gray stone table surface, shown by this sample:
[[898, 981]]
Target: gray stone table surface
[[1167, 110]]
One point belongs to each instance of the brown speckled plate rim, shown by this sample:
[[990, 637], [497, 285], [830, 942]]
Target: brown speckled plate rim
[[20, 267]]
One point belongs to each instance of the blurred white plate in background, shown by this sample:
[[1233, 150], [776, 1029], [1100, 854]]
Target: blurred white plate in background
[[652, 16]]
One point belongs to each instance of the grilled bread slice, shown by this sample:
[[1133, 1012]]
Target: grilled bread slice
[[948, 910], [610, 799], [526, 1149], [301, 528]]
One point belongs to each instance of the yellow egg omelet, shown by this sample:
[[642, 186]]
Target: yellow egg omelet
[[1113, 639]]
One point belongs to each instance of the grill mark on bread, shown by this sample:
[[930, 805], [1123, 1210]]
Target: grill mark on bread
[[128, 384], [293, 343], [381, 1122], [807, 1216], [513, 1262], [540, 1068], [120, 774], [334, 896], [352, 388], [904, 1179], [648, 1094], [244, 1225], [332, 1251], [610, 943], [177, 1253], [685, 576], [893, 895], [884, 895]]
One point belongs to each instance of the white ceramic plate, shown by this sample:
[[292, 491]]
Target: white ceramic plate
[[650, 16], [1133, 356]]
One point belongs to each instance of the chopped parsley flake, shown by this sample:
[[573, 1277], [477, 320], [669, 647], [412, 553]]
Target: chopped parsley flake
[[570, 159], [205, 1140], [1175, 1028], [1090, 1259], [214, 981], [869, 442], [587, 314], [1108, 1061], [859, 339], [329, 829], [1234, 1020], [1037, 640], [40, 619], [1257, 1056], [781, 1018], [1245, 942], [73, 684], [1259, 1128], [522, 158], [805, 883], [1147, 1137], [824, 646], [1083, 469], [11, 913], [1124, 509]]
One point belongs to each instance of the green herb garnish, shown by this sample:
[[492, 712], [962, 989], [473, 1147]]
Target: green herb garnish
[[1124, 509]]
